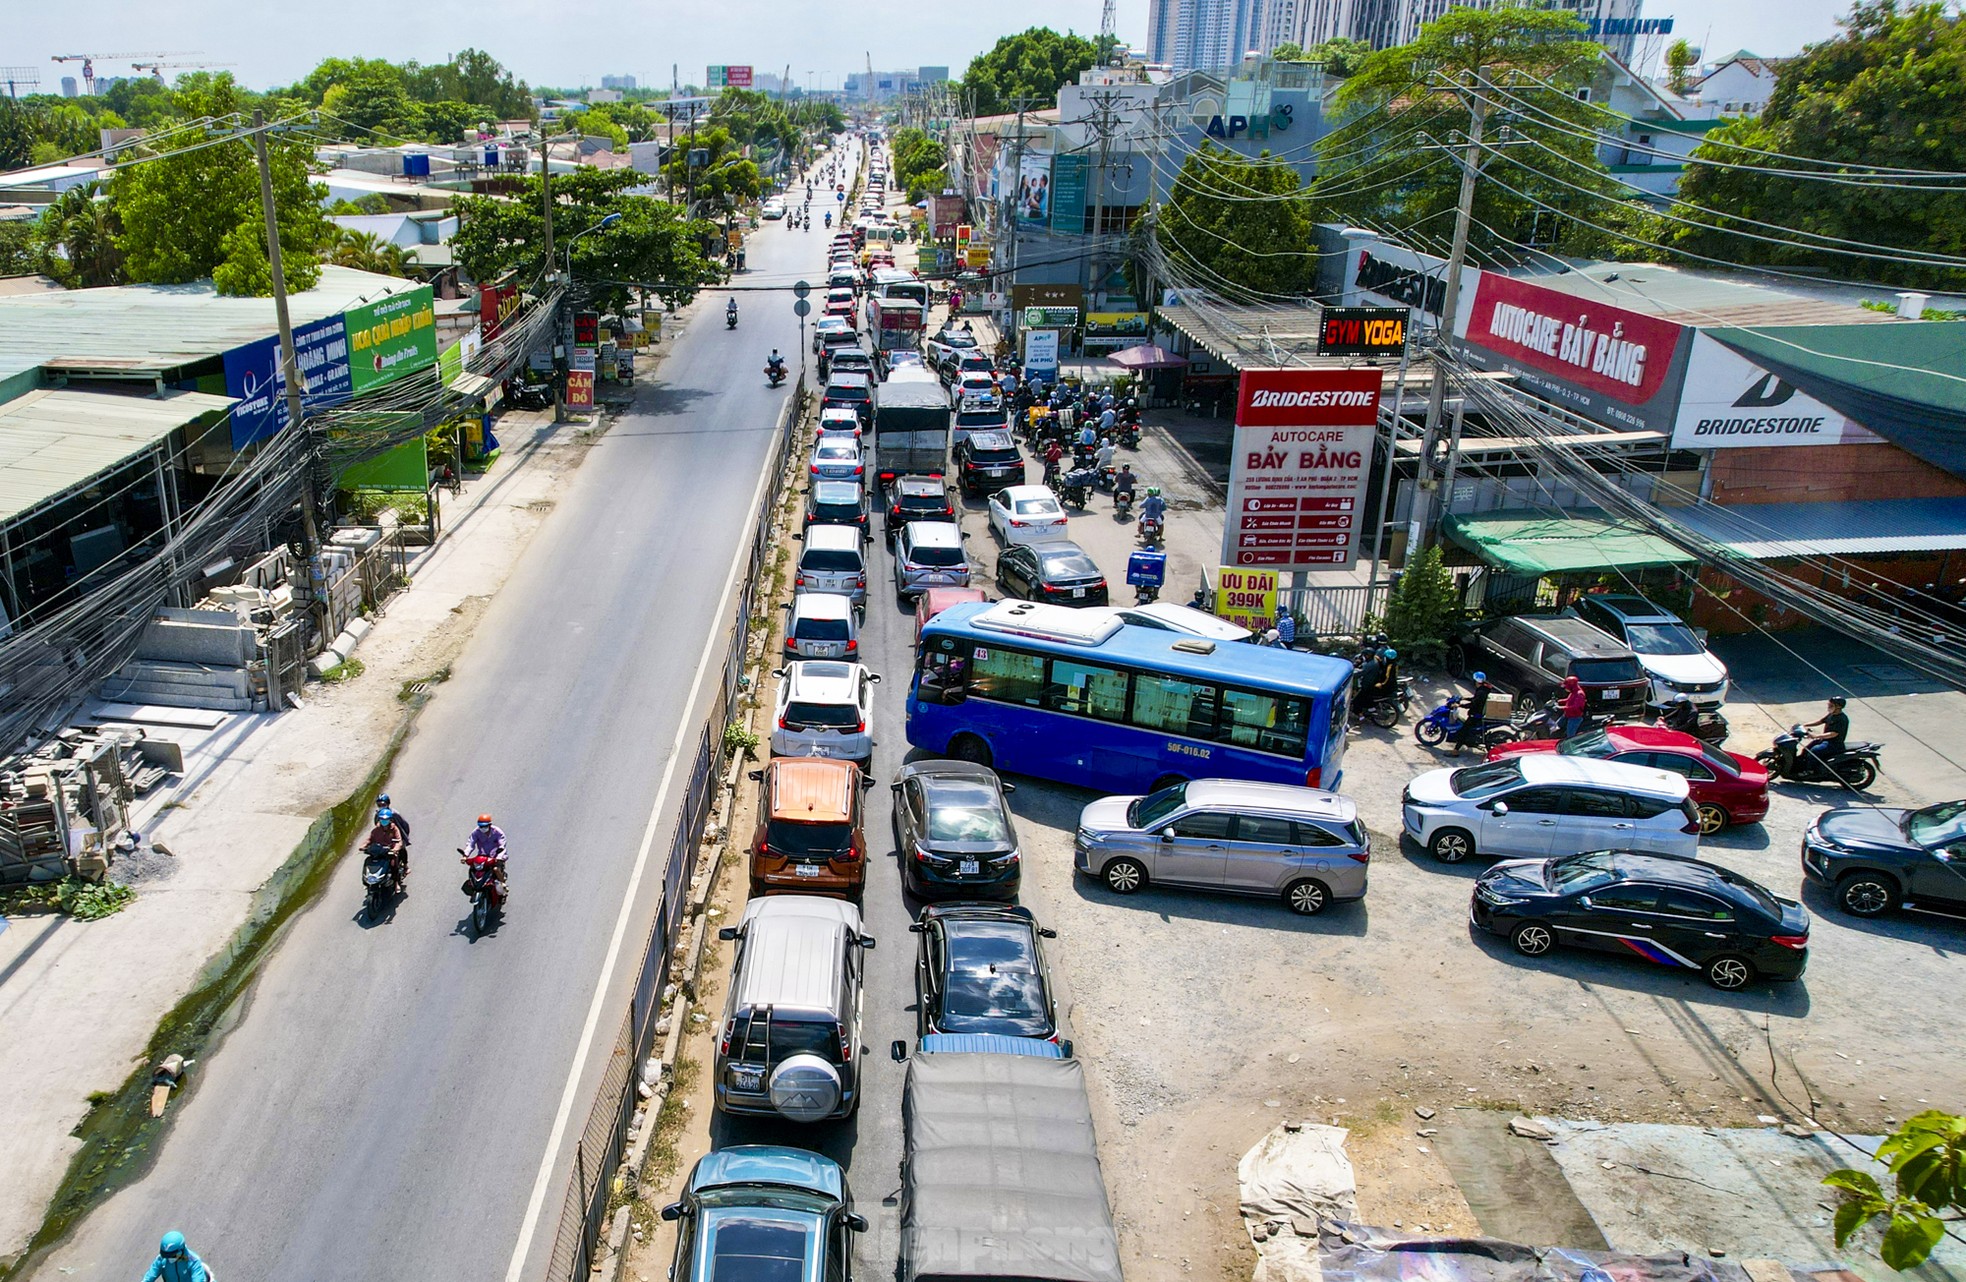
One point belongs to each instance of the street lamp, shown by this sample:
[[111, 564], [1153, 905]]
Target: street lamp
[[603, 225]]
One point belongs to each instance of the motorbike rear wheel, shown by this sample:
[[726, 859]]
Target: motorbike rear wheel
[[1857, 775], [1384, 713], [1430, 732]]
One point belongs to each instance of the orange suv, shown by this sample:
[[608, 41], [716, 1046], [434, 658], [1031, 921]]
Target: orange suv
[[809, 836]]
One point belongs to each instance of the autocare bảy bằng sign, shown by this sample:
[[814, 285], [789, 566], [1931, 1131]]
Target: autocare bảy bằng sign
[[1298, 467]]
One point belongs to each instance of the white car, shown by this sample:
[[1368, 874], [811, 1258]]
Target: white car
[[1027, 514], [837, 457], [1170, 617], [821, 625], [838, 420], [825, 709], [774, 208], [830, 325], [975, 388], [1539, 805]]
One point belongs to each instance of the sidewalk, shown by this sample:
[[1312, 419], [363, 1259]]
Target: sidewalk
[[80, 1002]]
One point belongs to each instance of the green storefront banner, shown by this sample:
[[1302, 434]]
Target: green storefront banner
[[407, 467], [1068, 192], [391, 337]]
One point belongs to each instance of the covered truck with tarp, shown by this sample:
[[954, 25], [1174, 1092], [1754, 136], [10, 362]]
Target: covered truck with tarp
[[1000, 1175]]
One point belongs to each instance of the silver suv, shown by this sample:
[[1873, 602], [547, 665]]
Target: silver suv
[[1301, 844], [825, 709], [790, 1041], [821, 626], [831, 561], [929, 554]]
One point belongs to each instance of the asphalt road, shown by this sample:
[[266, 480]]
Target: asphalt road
[[382, 1106]]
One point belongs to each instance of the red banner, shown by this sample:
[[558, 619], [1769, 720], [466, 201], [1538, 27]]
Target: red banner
[[1297, 474], [1607, 350], [580, 389]]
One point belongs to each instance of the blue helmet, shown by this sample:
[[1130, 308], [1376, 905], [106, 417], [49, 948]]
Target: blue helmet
[[1389, 653], [384, 815], [1481, 676], [172, 1245]]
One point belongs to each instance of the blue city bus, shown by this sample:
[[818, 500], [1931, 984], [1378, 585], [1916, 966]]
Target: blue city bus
[[1085, 699]]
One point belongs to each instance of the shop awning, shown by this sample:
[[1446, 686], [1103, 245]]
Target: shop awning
[[1538, 543], [1857, 527], [1147, 356], [55, 441]]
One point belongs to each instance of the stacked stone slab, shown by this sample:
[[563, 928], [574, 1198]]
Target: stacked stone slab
[[190, 659]]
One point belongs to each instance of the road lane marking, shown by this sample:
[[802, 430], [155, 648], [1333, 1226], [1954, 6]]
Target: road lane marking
[[543, 1182]]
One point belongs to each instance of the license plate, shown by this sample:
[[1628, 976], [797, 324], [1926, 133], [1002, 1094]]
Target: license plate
[[805, 870], [747, 1079], [1078, 591], [826, 651], [968, 867], [1609, 696]]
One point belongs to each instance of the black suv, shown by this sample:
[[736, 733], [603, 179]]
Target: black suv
[[987, 462], [1530, 655], [981, 969], [915, 498]]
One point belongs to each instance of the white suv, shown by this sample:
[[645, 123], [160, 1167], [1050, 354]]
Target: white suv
[[1541, 805], [825, 709]]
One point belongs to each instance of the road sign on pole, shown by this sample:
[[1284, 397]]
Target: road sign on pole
[[802, 307], [800, 290]]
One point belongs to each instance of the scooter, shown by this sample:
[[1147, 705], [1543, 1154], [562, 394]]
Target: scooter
[[1854, 766], [1546, 722], [521, 394], [1706, 725], [730, 320], [1441, 724], [774, 374], [483, 888], [1123, 505], [1129, 436], [382, 879], [1075, 487], [1153, 530], [1386, 710]]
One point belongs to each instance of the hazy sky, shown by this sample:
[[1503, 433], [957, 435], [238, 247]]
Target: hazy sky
[[561, 42]]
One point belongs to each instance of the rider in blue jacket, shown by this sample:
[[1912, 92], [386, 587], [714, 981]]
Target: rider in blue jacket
[[176, 1262]]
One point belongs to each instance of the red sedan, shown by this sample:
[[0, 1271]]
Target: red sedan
[[1727, 787]]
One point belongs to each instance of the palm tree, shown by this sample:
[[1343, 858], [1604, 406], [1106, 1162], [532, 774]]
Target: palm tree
[[76, 237], [365, 251]]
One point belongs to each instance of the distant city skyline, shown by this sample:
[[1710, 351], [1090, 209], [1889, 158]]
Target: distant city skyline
[[581, 41]]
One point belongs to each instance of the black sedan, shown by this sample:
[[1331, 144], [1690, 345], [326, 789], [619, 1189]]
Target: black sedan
[[1876, 858], [915, 498], [1671, 912], [1059, 573], [981, 969], [954, 832]]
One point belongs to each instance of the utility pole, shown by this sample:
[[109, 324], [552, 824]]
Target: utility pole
[[1420, 530], [289, 364], [546, 198], [1105, 122]]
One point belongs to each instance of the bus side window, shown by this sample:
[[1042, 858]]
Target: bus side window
[[945, 671], [1266, 722], [1175, 706]]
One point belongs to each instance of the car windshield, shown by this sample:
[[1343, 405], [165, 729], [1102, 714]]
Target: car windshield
[[1662, 638], [980, 418], [1005, 455], [1580, 872], [831, 716], [788, 838], [1594, 743], [1477, 783], [1940, 825], [828, 509], [937, 556], [966, 812], [933, 501], [1603, 671], [845, 450], [758, 1249], [1145, 812], [821, 630], [1066, 565], [1035, 507], [831, 560]]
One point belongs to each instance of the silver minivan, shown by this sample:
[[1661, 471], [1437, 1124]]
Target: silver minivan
[[831, 562], [929, 554], [821, 626], [789, 1045], [1303, 845]]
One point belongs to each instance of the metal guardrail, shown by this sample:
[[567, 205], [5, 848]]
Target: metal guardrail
[[583, 1217]]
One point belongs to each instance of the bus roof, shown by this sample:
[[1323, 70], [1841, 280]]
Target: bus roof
[[1126, 644]]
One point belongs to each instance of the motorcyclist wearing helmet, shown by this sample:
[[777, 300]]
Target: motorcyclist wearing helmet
[[176, 1262], [1680, 715], [1476, 704], [1153, 507], [730, 309], [387, 835], [488, 839], [1389, 677], [1123, 483], [396, 819], [774, 364]]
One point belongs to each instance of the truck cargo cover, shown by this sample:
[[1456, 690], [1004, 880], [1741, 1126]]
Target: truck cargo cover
[[923, 395], [1001, 1178]]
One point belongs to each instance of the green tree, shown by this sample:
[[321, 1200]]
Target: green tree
[[18, 134], [1388, 164], [1341, 56], [653, 246], [918, 162], [1926, 1157], [371, 107], [447, 120], [1237, 224], [726, 180], [1422, 607], [77, 235], [366, 251], [19, 252], [1889, 91], [1679, 61], [1032, 65], [1289, 51], [197, 213]]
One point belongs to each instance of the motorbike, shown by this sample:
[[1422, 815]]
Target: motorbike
[[775, 374], [1706, 725], [1386, 710], [1854, 765], [482, 888], [382, 878], [1123, 505], [526, 395], [1145, 594], [1075, 487], [1108, 478], [730, 320], [1152, 531], [1128, 436], [1438, 726], [1546, 722]]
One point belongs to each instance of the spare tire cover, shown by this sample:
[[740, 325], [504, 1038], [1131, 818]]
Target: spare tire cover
[[805, 1088]]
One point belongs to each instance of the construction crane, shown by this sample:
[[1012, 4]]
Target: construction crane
[[19, 78], [88, 60], [157, 69]]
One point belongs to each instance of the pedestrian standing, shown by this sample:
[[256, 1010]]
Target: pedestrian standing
[[1574, 702]]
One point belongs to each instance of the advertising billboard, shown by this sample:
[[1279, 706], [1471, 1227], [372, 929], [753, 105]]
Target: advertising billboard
[[1613, 366], [1298, 467], [391, 337], [1729, 402], [253, 374], [1034, 188], [1247, 598], [1362, 331], [1041, 353], [1068, 174], [580, 389]]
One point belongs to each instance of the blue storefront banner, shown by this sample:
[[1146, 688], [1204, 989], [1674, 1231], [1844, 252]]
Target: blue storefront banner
[[252, 373]]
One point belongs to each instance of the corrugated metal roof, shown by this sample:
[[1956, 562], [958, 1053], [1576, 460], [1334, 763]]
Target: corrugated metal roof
[[1538, 543], [162, 328], [52, 441], [1856, 527]]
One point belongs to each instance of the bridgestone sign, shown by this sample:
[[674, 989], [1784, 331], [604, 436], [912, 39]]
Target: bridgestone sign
[[1302, 452]]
